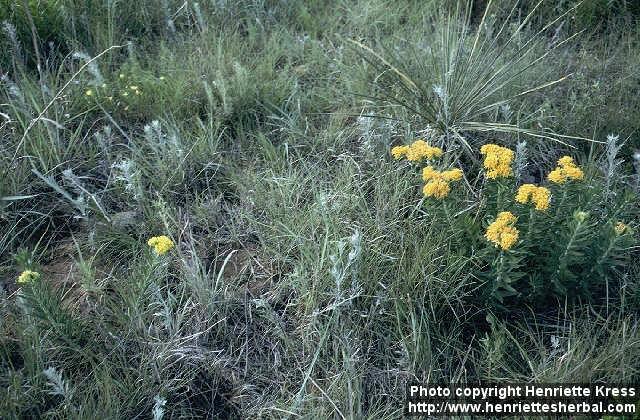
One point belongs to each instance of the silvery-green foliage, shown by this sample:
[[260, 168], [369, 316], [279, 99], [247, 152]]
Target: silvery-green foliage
[[131, 50], [104, 139], [164, 144], [506, 112], [611, 164], [127, 173], [57, 384], [636, 166], [375, 134], [520, 164], [73, 180], [158, 407], [199, 17], [345, 263], [10, 31], [92, 68], [83, 193], [79, 203], [12, 89], [168, 16]]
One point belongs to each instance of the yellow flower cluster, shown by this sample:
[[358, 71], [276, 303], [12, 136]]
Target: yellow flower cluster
[[621, 228], [161, 244], [437, 182], [28, 276], [567, 169], [540, 196], [502, 231], [417, 151], [398, 152], [497, 160], [429, 173], [436, 189]]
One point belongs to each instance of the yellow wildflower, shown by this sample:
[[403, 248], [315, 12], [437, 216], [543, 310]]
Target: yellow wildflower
[[556, 176], [524, 193], [437, 183], [28, 276], [508, 237], [399, 152], [502, 231], [436, 188], [429, 173], [162, 77], [620, 228], [161, 244], [506, 217], [540, 196], [89, 92], [497, 160], [566, 170], [452, 175], [420, 150], [122, 76], [573, 172], [566, 161]]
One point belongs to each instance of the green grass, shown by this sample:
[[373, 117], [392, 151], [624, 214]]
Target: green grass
[[310, 277]]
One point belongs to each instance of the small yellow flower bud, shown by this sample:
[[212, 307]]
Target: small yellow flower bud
[[620, 228], [28, 276], [580, 216]]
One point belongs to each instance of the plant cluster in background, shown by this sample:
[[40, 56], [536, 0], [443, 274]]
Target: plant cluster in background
[[544, 235], [124, 93]]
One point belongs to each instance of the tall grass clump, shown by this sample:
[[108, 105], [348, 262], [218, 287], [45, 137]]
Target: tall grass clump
[[459, 78]]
